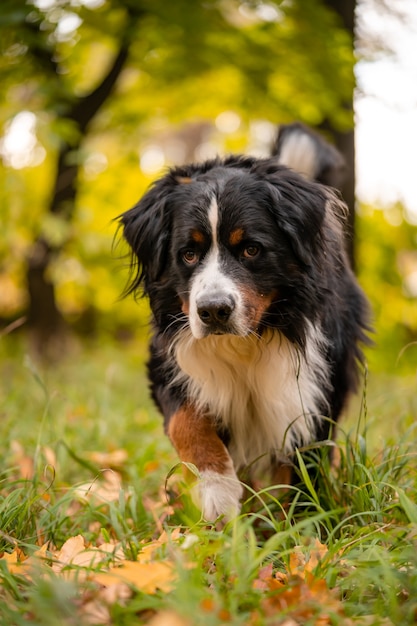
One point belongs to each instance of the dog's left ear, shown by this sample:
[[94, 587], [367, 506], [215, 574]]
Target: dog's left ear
[[299, 208], [146, 228]]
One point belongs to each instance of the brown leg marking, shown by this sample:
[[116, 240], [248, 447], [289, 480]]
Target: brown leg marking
[[196, 441]]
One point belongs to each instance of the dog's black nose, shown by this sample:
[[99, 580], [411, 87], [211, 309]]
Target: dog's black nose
[[216, 312]]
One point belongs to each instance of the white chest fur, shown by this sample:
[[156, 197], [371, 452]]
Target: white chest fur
[[263, 390]]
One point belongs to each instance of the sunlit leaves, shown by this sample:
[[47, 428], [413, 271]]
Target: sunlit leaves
[[188, 61]]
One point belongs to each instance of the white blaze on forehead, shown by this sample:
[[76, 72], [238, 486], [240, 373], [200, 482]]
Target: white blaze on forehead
[[213, 218], [212, 281]]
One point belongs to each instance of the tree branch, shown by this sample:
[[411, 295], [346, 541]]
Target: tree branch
[[85, 109]]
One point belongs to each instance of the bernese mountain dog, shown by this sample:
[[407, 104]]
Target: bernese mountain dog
[[257, 316]]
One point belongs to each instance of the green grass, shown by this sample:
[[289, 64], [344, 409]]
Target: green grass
[[364, 512]]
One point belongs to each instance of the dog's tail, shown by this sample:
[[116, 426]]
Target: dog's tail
[[306, 152]]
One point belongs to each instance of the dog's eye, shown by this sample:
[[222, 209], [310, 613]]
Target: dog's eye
[[250, 251], [190, 257]]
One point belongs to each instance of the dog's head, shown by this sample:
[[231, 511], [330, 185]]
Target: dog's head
[[231, 246]]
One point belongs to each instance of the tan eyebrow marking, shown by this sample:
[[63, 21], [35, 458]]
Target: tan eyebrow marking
[[197, 236], [183, 180], [236, 236]]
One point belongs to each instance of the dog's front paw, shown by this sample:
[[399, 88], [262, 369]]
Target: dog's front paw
[[219, 494]]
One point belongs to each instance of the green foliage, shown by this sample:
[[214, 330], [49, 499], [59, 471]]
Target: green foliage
[[362, 512], [387, 265], [188, 61]]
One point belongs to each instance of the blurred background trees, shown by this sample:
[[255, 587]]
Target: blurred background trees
[[98, 96]]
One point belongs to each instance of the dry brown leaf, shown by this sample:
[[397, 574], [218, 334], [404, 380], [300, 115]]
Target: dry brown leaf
[[299, 565], [302, 595], [317, 555], [305, 600], [297, 562], [267, 581]]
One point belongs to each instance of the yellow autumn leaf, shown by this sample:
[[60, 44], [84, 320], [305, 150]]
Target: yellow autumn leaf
[[15, 561], [317, 554], [18, 563], [147, 550], [115, 458], [105, 489], [299, 564], [147, 577], [74, 552], [69, 550]]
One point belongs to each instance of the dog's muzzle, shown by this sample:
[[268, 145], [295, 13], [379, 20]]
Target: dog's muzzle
[[215, 313]]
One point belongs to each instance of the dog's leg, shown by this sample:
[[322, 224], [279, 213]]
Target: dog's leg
[[196, 441]]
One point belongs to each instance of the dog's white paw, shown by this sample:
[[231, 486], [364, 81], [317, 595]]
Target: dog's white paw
[[219, 494]]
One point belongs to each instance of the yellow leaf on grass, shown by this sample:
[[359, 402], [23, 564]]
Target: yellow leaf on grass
[[22, 460], [147, 577], [15, 561], [317, 554], [19, 563], [116, 458], [299, 565], [105, 489], [147, 551], [168, 618], [74, 552], [69, 550], [268, 581]]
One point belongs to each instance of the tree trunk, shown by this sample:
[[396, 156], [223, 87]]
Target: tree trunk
[[345, 141], [49, 330]]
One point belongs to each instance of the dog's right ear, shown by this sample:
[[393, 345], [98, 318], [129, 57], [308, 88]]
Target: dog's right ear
[[146, 228]]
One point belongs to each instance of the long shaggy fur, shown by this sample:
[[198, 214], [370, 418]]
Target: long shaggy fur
[[257, 317]]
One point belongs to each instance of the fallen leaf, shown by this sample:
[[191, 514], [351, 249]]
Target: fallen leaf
[[22, 460], [104, 489], [74, 552], [318, 553], [96, 612], [115, 458], [267, 581], [168, 618], [69, 550], [118, 592], [305, 600], [50, 456], [147, 577], [22, 565], [151, 466], [299, 565], [16, 561], [148, 550]]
